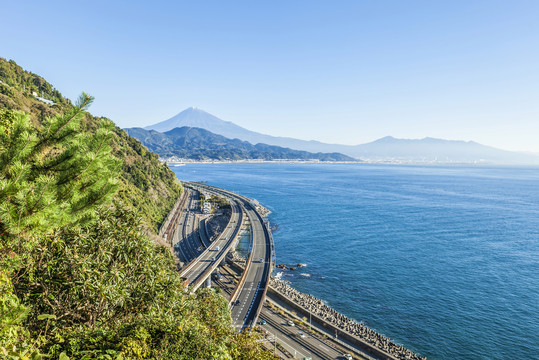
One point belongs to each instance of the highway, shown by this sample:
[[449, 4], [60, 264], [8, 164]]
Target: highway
[[199, 269], [252, 293], [290, 343], [297, 342], [187, 243], [246, 296], [249, 297]]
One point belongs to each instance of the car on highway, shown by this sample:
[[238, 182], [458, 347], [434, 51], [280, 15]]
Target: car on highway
[[301, 334], [238, 302], [261, 260], [213, 258], [307, 358], [348, 357], [290, 323], [217, 248], [262, 322]]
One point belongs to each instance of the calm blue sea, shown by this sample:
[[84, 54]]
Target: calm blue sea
[[444, 260]]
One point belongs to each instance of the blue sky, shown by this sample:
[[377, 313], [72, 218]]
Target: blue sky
[[335, 71]]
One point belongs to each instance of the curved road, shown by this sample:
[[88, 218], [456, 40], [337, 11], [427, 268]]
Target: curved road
[[187, 241], [196, 272], [252, 293]]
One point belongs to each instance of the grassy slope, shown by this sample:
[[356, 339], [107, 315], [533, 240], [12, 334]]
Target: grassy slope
[[142, 310], [146, 184]]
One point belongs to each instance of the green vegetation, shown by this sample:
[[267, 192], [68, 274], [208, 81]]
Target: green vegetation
[[199, 144], [79, 276], [144, 183], [220, 201], [53, 176]]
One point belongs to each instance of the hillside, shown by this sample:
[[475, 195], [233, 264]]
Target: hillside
[[145, 183], [387, 149], [79, 276], [199, 144]]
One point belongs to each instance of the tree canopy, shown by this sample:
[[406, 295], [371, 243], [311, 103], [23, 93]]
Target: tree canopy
[[79, 276]]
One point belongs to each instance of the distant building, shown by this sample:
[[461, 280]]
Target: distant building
[[48, 102], [42, 99]]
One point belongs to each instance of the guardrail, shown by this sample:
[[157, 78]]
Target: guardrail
[[240, 284], [197, 282], [195, 261], [267, 234], [270, 251], [364, 345]]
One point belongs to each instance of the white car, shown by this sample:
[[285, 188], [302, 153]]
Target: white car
[[217, 248], [348, 357], [301, 334], [290, 323]]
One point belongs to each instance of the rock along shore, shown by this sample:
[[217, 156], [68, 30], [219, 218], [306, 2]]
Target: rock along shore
[[317, 307]]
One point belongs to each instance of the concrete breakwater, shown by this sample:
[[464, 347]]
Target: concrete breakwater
[[316, 307], [335, 319]]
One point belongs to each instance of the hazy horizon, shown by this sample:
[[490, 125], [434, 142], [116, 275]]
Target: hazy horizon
[[344, 74], [149, 127]]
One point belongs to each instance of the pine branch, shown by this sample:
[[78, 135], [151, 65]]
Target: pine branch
[[87, 166], [97, 199], [41, 196], [82, 104]]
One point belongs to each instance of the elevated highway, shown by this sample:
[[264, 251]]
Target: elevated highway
[[248, 298], [200, 268]]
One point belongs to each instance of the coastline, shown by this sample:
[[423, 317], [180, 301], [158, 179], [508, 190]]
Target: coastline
[[255, 161], [332, 321], [436, 339], [329, 318], [183, 162]]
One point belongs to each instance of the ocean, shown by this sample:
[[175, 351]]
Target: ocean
[[441, 259]]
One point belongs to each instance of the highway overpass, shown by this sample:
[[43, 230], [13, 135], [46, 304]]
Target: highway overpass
[[248, 298]]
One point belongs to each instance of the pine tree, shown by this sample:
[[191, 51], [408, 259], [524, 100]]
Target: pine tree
[[51, 176]]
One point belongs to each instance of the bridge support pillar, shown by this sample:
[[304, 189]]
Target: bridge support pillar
[[208, 282]]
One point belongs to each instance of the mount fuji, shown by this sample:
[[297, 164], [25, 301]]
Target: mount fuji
[[387, 149]]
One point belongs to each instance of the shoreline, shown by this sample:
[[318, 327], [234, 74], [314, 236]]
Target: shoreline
[[355, 332], [358, 162], [253, 161], [352, 329]]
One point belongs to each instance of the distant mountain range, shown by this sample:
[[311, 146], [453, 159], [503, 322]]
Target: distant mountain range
[[387, 149], [200, 144]]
